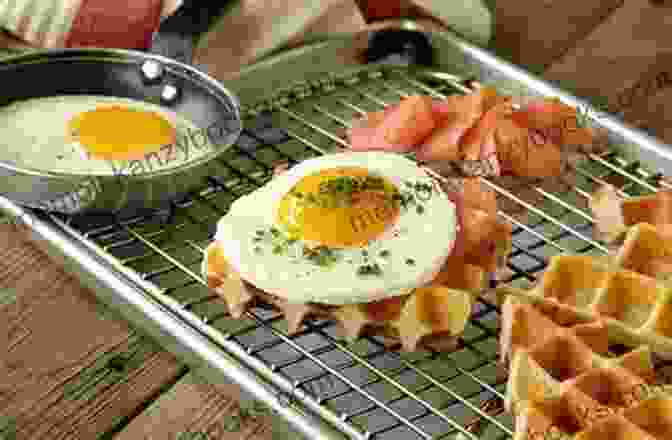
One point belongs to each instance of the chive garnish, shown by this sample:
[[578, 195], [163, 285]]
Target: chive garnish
[[419, 209], [384, 253], [362, 270], [410, 261], [369, 269]]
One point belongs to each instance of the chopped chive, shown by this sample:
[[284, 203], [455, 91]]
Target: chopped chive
[[419, 209], [369, 269], [384, 253], [256, 239], [274, 232], [365, 253], [257, 249], [260, 232], [277, 249], [410, 261]]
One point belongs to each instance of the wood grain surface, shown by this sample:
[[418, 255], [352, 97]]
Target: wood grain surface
[[627, 60], [195, 409], [68, 369], [535, 33]]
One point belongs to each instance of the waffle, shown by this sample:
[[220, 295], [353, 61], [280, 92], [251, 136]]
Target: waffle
[[620, 290], [614, 215], [409, 321], [563, 383], [647, 249]]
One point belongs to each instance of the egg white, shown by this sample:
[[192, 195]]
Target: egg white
[[427, 238], [34, 133]]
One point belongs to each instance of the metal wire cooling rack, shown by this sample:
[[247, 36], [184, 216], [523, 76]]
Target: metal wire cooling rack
[[364, 389]]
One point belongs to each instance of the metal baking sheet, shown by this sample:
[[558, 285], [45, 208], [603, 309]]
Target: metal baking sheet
[[297, 105]]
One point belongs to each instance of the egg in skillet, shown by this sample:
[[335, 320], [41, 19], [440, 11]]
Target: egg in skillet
[[341, 229], [88, 133]]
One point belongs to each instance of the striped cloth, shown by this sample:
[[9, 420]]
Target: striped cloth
[[127, 24]]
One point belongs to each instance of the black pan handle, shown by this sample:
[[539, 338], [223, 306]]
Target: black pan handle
[[178, 33], [400, 46], [397, 46]]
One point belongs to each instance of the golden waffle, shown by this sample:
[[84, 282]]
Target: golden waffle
[[432, 317], [563, 384], [614, 214], [621, 290], [647, 249]]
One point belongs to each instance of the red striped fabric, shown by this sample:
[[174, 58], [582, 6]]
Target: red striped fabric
[[127, 24]]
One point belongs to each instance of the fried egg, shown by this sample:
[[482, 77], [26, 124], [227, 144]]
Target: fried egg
[[342, 228], [90, 134]]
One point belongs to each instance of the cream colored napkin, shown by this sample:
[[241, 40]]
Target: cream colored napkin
[[69, 23]]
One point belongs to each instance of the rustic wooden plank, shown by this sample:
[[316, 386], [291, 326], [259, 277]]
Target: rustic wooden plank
[[626, 61], [535, 33], [69, 369], [341, 17], [195, 409], [260, 27]]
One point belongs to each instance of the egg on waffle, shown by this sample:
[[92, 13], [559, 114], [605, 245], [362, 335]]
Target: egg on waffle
[[341, 229], [365, 238]]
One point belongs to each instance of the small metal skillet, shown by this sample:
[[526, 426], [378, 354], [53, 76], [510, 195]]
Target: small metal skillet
[[162, 76]]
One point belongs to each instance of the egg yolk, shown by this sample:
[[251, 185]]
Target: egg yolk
[[116, 132], [339, 207]]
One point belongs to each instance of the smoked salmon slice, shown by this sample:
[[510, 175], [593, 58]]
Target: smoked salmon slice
[[398, 128], [433, 128], [481, 126], [556, 120], [456, 115], [526, 153], [479, 142], [477, 195], [486, 239]]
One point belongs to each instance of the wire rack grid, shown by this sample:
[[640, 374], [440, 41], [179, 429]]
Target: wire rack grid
[[371, 390]]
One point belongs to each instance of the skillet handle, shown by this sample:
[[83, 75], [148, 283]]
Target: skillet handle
[[177, 34], [395, 45]]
